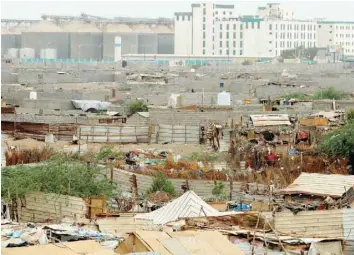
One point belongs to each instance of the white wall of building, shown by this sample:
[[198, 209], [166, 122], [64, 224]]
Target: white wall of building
[[290, 34], [228, 39], [183, 33], [256, 39], [197, 29]]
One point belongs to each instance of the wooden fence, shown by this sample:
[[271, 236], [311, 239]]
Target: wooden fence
[[178, 134], [113, 134]]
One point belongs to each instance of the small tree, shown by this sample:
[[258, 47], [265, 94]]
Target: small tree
[[218, 189], [137, 106], [160, 182]]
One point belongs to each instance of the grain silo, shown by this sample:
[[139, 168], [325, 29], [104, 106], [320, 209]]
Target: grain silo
[[9, 40], [147, 39], [86, 40], [128, 37], [46, 35], [165, 39]]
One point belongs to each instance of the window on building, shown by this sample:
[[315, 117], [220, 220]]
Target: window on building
[[230, 13], [189, 18], [182, 17], [276, 44], [227, 26], [227, 44], [234, 52], [203, 52], [252, 25], [204, 11], [220, 35], [220, 44], [203, 35], [227, 35], [227, 52], [246, 25], [220, 26], [241, 26], [220, 52], [241, 35], [319, 26], [204, 19], [234, 26], [234, 44], [203, 44], [224, 13], [270, 41], [291, 27], [216, 13], [203, 26], [258, 25], [276, 26], [234, 35], [241, 52], [270, 26], [241, 44]]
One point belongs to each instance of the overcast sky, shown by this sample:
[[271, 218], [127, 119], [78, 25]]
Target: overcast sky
[[331, 10]]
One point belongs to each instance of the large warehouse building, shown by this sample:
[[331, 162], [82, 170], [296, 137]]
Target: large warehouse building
[[85, 38]]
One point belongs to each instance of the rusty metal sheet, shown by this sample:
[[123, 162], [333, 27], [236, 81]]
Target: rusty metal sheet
[[316, 122]]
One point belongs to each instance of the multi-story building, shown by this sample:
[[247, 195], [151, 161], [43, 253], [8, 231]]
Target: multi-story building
[[213, 29], [337, 35]]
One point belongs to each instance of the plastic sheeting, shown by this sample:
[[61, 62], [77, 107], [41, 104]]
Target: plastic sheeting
[[224, 98], [333, 248], [175, 101], [90, 104]]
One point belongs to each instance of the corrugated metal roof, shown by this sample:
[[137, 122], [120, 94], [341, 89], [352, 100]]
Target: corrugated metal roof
[[188, 242], [348, 224], [44, 26], [161, 29], [118, 28], [187, 205], [310, 223], [142, 29], [316, 224], [77, 27], [144, 114], [334, 185], [17, 30], [4, 31], [270, 120]]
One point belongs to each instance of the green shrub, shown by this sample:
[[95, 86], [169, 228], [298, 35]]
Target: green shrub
[[218, 189], [137, 106], [61, 175], [329, 93], [297, 95], [350, 114], [160, 182], [108, 152], [339, 142]]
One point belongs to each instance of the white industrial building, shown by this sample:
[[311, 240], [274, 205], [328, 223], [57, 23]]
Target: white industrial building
[[214, 29]]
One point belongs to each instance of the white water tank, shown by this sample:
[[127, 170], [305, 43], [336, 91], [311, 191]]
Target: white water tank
[[12, 53], [48, 53], [27, 53], [224, 98], [33, 95]]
